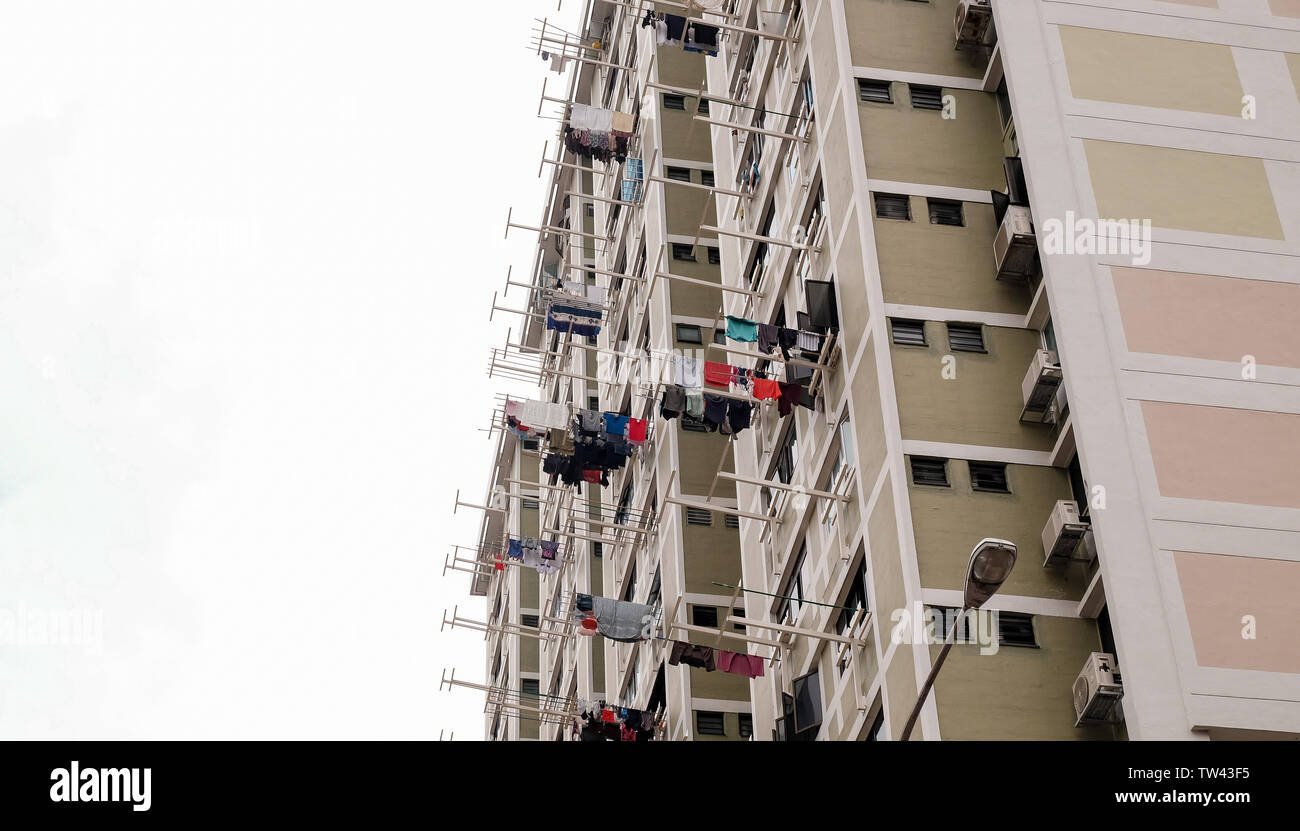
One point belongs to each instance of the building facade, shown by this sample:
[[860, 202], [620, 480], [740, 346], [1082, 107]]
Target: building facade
[[1049, 250]]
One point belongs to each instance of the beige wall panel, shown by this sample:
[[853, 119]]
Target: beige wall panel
[[1220, 591], [948, 522], [904, 144], [908, 36], [1185, 190], [1244, 456], [1019, 692], [945, 266], [1125, 68], [1216, 318], [982, 404]]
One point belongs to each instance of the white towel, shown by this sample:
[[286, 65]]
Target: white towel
[[688, 372], [544, 414]]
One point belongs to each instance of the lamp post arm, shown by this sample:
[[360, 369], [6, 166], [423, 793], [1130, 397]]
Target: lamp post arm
[[929, 679]]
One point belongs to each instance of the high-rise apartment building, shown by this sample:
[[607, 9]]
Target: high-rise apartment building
[[1044, 256]]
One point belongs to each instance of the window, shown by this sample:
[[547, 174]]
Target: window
[[528, 504], [597, 550], [706, 177], [788, 455], [593, 402], [715, 255], [926, 98], [656, 589], [686, 333], [876, 91], [629, 591], [704, 616], [529, 688], [683, 251], [988, 476], [807, 702], [746, 725], [854, 600], [893, 206], [703, 109], [530, 444], [590, 210], [929, 471], [739, 627], [1016, 629], [530, 621], [710, 724], [793, 601], [908, 332], [965, 337], [674, 102], [719, 336], [731, 521], [698, 516], [945, 212], [680, 174]]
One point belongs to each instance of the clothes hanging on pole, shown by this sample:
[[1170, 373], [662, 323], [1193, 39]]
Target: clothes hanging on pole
[[695, 404], [717, 375], [621, 620], [674, 402], [739, 414], [715, 410], [692, 655], [740, 329], [739, 663], [790, 394], [765, 388], [688, 372], [767, 338]]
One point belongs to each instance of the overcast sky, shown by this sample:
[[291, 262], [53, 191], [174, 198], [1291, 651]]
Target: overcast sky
[[247, 250]]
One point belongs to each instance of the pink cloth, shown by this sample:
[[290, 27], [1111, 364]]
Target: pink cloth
[[738, 663]]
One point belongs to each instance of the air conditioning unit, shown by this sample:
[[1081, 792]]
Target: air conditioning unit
[[1062, 533], [1015, 251], [1097, 691], [972, 22], [1039, 387]]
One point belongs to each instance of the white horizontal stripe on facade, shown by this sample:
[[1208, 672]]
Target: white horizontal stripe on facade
[[1005, 602], [935, 191], [719, 705], [977, 453], [872, 73], [955, 315]]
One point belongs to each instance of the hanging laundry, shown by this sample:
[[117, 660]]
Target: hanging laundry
[[567, 317], [715, 410], [738, 663], [515, 549], [590, 421], [695, 404], [701, 38], [740, 329], [615, 425], [622, 124], [810, 344], [544, 414], [790, 394], [674, 402], [558, 63], [688, 372], [676, 26], [717, 375], [785, 340], [636, 430], [739, 414], [620, 620], [765, 388], [767, 338], [560, 441], [692, 655]]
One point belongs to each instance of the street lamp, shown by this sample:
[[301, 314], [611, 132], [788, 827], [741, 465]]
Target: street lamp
[[990, 564]]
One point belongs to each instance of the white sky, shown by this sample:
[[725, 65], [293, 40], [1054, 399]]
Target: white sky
[[247, 250]]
